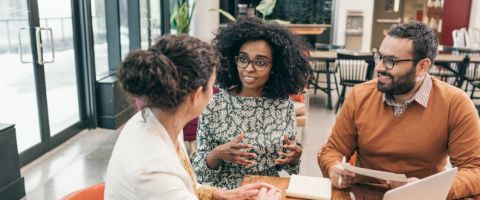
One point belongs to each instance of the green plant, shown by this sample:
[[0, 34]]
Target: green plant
[[182, 16], [266, 7], [225, 14]]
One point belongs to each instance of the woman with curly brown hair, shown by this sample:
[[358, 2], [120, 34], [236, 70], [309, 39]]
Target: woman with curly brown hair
[[174, 80], [249, 127]]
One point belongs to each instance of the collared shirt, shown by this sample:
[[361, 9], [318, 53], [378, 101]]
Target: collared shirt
[[421, 97]]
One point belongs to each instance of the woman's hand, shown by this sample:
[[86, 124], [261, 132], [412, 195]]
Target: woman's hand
[[250, 191], [231, 152], [293, 152], [268, 194]]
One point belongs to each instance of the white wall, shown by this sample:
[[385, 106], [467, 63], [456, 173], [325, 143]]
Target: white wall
[[340, 20], [475, 14], [205, 23]]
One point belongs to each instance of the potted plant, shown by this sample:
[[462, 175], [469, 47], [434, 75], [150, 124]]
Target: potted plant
[[182, 16]]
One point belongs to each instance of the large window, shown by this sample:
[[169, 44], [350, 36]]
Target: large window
[[100, 38], [124, 34], [155, 20], [144, 24], [173, 4], [150, 18]]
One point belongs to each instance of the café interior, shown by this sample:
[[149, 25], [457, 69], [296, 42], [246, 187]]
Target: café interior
[[62, 107]]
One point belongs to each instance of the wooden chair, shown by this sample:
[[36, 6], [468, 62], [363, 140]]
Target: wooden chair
[[352, 71], [446, 72], [474, 37], [93, 192], [459, 37], [472, 76], [327, 68]]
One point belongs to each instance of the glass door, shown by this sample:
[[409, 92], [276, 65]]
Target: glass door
[[38, 80], [18, 101], [56, 33]]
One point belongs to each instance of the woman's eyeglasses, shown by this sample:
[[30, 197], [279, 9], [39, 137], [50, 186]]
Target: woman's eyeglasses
[[259, 64]]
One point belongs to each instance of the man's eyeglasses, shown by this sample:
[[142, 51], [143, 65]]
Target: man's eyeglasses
[[388, 62], [259, 64]]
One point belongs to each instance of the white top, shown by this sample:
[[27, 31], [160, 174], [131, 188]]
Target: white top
[[145, 164]]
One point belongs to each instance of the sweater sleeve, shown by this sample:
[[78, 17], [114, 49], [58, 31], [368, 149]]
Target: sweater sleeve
[[343, 139], [464, 146], [205, 192], [205, 144], [291, 168]]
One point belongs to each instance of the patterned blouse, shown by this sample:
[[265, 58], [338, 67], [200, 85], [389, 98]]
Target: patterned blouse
[[264, 122]]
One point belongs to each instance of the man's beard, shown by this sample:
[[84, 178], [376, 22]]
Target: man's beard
[[398, 85]]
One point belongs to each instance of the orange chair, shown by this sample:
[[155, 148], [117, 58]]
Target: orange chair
[[93, 192]]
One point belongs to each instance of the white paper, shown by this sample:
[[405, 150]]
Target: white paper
[[309, 187], [388, 176]]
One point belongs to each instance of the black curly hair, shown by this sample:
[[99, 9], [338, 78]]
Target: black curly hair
[[170, 70], [290, 68]]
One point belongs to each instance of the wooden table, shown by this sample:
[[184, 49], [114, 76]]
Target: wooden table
[[328, 57], [445, 60], [360, 191]]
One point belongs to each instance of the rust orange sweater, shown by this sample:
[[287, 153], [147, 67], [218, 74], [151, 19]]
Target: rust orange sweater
[[418, 143]]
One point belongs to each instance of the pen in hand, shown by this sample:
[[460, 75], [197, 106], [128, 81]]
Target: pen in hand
[[340, 176]]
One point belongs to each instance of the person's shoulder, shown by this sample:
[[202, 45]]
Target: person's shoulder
[[141, 144], [366, 89], [447, 92], [446, 88]]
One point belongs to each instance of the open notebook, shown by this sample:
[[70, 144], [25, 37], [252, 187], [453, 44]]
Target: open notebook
[[309, 187]]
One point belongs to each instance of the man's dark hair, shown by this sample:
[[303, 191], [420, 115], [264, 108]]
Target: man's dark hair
[[290, 66], [424, 39]]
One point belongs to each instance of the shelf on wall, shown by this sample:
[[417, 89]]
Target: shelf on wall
[[308, 29]]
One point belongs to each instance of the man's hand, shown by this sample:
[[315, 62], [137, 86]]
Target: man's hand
[[395, 184], [338, 171]]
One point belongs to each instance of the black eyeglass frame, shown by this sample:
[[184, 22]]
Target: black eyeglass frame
[[377, 56], [255, 67]]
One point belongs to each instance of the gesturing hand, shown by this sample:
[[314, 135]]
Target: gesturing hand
[[231, 151], [293, 152]]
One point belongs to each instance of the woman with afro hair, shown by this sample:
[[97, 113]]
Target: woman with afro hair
[[249, 127]]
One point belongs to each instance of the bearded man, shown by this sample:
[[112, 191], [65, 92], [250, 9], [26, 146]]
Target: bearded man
[[406, 121]]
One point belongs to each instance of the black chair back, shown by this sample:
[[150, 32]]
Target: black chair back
[[353, 69]]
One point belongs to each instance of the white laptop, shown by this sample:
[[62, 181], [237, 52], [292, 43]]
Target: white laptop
[[436, 186]]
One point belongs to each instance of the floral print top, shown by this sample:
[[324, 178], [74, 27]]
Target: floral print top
[[264, 122]]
